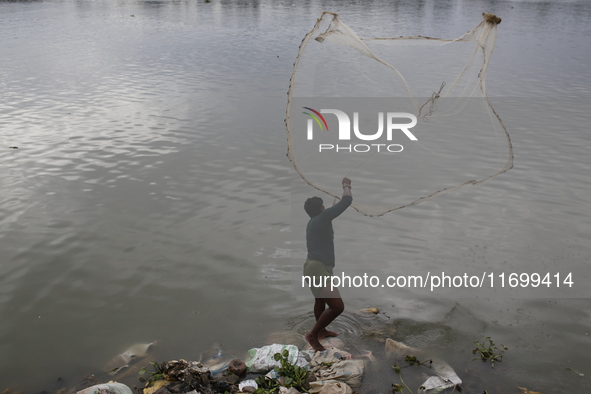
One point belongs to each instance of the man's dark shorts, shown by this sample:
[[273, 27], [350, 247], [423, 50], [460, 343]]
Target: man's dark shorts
[[317, 271]]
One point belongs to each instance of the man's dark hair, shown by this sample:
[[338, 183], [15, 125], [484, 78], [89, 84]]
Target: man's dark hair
[[313, 206]]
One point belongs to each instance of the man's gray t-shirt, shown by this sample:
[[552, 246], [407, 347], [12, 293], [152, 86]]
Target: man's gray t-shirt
[[320, 235]]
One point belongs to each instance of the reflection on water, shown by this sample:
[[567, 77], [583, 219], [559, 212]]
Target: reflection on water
[[150, 197]]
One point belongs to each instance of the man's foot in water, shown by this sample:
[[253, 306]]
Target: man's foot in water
[[325, 333], [314, 342]]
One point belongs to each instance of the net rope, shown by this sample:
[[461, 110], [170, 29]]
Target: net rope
[[424, 99]]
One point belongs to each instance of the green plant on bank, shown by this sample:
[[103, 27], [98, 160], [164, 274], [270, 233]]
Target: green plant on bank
[[488, 353], [290, 375], [156, 375]]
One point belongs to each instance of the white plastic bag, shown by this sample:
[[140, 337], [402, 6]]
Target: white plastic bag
[[446, 377], [335, 364], [107, 388], [348, 371], [262, 359]]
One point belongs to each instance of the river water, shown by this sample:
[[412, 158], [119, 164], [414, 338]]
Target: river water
[[150, 197]]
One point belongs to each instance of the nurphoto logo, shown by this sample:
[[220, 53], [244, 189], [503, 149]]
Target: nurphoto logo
[[344, 130]]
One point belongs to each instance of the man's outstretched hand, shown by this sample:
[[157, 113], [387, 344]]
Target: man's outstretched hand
[[346, 187]]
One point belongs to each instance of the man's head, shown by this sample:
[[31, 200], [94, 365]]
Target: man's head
[[314, 206]]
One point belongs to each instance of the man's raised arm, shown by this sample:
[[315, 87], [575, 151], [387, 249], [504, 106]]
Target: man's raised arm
[[346, 200]]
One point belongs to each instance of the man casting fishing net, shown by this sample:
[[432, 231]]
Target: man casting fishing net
[[320, 263]]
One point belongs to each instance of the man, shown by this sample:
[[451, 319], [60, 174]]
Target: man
[[320, 262]]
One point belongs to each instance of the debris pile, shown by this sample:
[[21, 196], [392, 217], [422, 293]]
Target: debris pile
[[287, 366], [190, 376], [277, 368]]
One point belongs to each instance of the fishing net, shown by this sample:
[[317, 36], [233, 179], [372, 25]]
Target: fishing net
[[406, 118]]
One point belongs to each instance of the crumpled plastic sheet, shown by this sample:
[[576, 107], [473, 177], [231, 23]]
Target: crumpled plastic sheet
[[330, 387], [446, 378], [123, 360]]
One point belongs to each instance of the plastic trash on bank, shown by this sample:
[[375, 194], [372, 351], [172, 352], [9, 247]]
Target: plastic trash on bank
[[248, 383], [262, 359], [335, 364], [107, 388], [215, 359], [446, 377], [151, 389], [124, 359], [330, 387], [397, 348]]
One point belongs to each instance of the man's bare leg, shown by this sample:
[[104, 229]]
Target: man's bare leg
[[319, 307], [325, 316]]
